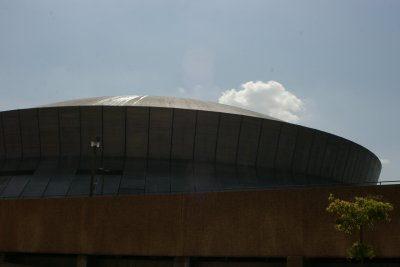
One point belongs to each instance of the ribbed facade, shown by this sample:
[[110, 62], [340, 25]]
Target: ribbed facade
[[166, 145]]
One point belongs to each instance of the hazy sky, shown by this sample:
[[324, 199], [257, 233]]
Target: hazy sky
[[330, 65]]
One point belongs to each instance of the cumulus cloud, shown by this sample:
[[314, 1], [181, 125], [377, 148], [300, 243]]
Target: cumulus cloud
[[384, 161], [270, 98]]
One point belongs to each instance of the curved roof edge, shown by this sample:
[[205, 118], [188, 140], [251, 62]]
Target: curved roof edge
[[159, 101]]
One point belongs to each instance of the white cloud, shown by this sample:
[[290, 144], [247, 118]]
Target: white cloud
[[181, 90], [385, 161], [270, 98]]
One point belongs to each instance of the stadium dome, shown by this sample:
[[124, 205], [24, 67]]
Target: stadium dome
[[162, 145]]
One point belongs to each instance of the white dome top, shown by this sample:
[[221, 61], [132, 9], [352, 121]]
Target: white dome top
[[159, 101]]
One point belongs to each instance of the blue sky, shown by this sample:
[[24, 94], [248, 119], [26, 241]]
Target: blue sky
[[340, 59]]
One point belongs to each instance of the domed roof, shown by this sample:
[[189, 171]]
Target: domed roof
[[159, 101]]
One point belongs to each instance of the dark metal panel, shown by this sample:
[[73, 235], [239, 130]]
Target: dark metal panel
[[356, 169], [134, 177], [311, 180], [182, 177], [183, 134], [286, 147], [265, 177], [30, 133], [330, 157], [12, 134], [359, 167], [11, 165], [28, 164], [228, 135], [377, 171], [374, 165], [69, 163], [205, 178], [285, 178], [248, 141], [80, 186], [60, 183], [91, 128], [247, 176], [302, 152], [372, 162], [15, 186], [135, 165], [317, 153], [113, 131], [158, 178], [350, 164], [112, 163], [137, 128], [48, 126], [37, 185], [39, 181], [370, 168], [365, 165], [341, 160], [107, 184], [2, 145], [374, 169], [268, 143], [70, 132], [47, 164], [160, 131], [4, 180], [86, 163], [226, 176], [206, 136]]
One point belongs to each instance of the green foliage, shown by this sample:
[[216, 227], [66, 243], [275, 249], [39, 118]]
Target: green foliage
[[355, 215], [363, 211], [360, 251]]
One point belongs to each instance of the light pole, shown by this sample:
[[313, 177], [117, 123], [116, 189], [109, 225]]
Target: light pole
[[103, 172], [94, 145]]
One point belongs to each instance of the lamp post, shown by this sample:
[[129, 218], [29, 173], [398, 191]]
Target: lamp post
[[95, 145], [103, 172]]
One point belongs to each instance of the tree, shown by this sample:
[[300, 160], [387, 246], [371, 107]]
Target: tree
[[353, 216]]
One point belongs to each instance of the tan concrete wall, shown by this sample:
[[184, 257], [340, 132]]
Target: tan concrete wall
[[274, 223]]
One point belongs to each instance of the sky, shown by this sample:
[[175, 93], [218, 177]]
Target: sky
[[329, 65]]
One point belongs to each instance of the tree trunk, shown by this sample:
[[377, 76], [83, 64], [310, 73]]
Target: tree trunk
[[361, 243]]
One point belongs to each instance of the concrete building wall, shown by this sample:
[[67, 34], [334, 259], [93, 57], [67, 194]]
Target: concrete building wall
[[271, 223]]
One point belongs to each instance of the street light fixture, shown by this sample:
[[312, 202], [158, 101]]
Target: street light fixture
[[95, 145]]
